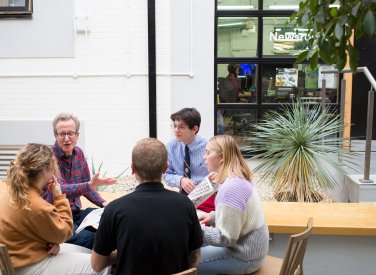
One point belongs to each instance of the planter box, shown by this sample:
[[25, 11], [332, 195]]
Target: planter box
[[359, 191]]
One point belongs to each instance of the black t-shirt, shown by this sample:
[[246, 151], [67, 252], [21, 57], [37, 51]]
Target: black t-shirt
[[153, 229]]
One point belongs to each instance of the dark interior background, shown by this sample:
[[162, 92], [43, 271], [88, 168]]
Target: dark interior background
[[361, 86]]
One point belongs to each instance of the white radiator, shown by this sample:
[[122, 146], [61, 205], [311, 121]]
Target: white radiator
[[7, 154]]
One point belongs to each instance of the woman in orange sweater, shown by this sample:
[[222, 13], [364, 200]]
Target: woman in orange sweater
[[32, 228]]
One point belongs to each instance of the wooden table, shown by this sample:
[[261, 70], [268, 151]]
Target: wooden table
[[358, 219], [107, 196]]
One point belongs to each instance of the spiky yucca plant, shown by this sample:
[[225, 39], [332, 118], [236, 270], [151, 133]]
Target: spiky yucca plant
[[296, 145]]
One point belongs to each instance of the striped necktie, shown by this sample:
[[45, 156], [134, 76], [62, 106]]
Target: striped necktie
[[187, 163], [187, 166]]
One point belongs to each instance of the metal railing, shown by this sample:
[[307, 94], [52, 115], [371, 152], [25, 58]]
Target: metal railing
[[370, 111]]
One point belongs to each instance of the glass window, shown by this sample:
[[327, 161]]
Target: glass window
[[237, 37], [285, 82], [280, 39], [237, 5], [237, 123], [236, 83]]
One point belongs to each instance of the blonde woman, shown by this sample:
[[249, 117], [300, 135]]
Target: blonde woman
[[237, 238], [32, 228]]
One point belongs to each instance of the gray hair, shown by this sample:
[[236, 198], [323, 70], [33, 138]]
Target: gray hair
[[65, 117], [149, 157]]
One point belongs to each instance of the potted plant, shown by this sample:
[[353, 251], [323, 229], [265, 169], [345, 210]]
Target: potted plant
[[296, 145]]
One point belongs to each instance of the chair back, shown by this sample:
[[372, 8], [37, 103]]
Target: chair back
[[191, 271], [296, 247], [6, 266]]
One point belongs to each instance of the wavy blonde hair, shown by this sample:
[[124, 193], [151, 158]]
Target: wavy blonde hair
[[23, 172], [233, 162]]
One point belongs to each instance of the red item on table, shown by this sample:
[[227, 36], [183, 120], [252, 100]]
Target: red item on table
[[208, 205]]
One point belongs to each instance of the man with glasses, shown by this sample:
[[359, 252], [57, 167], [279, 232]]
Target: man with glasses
[[75, 175], [185, 155]]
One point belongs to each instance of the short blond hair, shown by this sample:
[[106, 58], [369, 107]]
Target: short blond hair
[[149, 157], [66, 117], [233, 162]]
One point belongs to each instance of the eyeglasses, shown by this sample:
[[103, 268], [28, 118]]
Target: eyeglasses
[[69, 134], [179, 127]]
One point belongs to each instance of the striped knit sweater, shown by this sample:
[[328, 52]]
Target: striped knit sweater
[[239, 221]]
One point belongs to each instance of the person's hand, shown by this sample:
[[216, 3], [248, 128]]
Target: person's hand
[[53, 249], [96, 181], [212, 176], [54, 186], [205, 218], [104, 204], [187, 185]]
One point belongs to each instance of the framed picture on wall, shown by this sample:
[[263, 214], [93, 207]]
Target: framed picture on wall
[[16, 8]]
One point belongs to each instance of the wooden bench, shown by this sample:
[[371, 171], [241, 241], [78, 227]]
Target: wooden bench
[[343, 237], [357, 219]]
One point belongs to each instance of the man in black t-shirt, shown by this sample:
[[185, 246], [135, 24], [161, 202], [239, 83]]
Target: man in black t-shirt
[[152, 230]]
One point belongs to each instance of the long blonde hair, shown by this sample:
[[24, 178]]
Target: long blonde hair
[[233, 161], [23, 172]]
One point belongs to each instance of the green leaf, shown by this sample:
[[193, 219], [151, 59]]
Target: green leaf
[[302, 56], [338, 31], [325, 55], [92, 166], [305, 18], [100, 166], [369, 22], [342, 20], [302, 5], [314, 60], [355, 9], [293, 16], [354, 56], [118, 176], [341, 61], [320, 17], [313, 5], [333, 12]]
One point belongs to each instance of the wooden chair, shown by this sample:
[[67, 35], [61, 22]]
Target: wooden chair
[[292, 263], [6, 266], [191, 271]]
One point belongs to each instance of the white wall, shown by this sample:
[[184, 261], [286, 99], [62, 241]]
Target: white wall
[[106, 83], [197, 91], [50, 32], [114, 108]]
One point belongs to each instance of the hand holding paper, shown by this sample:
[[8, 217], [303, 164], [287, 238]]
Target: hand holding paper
[[202, 191]]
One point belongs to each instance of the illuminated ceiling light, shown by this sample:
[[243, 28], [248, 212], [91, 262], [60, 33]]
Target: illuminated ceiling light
[[294, 7], [249, 7], [284, 7], [231, 24]]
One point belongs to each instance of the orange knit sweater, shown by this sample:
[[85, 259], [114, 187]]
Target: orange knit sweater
[[26, 233]]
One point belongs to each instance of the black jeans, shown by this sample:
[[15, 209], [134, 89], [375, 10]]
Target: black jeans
[[86, 237]]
